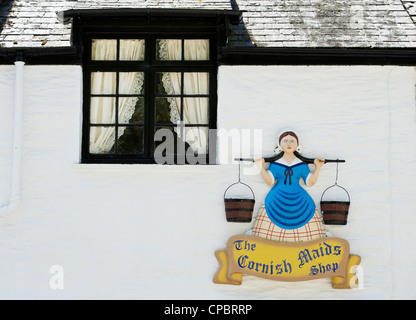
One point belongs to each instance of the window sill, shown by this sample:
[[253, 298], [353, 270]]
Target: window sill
[[94, 167]]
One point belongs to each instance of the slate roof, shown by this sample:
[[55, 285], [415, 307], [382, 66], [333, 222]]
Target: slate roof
[[266, 23], [410, 7], [328, 23]]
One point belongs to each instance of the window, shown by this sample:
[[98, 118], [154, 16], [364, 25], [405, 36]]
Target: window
[[147, 70], [136, 84]]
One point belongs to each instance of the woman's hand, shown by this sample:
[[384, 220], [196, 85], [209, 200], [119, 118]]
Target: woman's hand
[[267, 178], [319, 162], [260, 162]]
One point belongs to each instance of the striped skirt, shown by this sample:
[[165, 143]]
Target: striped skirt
[[263, 227]]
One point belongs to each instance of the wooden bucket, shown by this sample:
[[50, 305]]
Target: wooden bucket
[[335, 212], [239, 209]]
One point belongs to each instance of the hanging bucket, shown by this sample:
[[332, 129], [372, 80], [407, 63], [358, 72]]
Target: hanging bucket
[[239, 209], [335, 212]]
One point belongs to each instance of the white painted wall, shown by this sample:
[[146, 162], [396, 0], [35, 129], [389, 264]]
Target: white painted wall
[[150, 232], [6, 131]]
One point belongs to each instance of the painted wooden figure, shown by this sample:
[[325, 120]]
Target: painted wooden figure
[[289, 213]]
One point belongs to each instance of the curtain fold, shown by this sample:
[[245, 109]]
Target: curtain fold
[[102, 138], [195, 109]]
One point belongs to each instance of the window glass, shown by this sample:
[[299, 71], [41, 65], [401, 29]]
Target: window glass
[[102, 139], [104, 49], [195, 110], [131, 110], [131, 50], [130, 140], [169, 49], [131, 83], [103, 82], [168, 83], [196, 49], [102, 110], [195, 83], [197, 138], [164, 112]]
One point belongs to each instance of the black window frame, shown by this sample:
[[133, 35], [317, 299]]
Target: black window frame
[[150, 67], [183, 24]]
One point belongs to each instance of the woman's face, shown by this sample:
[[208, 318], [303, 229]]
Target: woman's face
[[289, 144]]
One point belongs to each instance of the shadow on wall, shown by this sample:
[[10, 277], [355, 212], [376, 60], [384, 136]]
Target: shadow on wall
[[238, 34]]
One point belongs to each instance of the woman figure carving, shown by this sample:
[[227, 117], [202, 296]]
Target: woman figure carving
[[289, 212]]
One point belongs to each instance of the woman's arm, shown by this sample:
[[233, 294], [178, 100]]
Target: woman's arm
[[318, 162], [266, 176]]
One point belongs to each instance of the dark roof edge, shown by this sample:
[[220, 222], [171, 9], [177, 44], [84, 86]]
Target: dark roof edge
[[41, 55], [405, 56], [234, 16], [71, 55]]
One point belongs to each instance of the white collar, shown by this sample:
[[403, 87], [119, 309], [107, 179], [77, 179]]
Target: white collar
[[284, 162]]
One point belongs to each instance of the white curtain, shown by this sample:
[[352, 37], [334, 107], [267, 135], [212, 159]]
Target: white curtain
[[102, 138], [195, 110], [104, 50]]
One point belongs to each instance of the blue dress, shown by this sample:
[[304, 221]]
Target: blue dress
[[287, 204]]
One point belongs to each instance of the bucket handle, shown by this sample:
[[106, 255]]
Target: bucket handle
[[239, 182], [336, 185]]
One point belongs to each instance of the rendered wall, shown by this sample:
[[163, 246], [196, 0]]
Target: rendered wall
[[150, 232]]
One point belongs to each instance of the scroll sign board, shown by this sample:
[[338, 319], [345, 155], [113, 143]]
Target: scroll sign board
[[287, 261]]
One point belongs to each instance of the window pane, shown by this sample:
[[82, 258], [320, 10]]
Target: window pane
[[168, 83], [130, 140], [104, 49], [131, 50], [167, 110], [102, 139], [169, 49], [130, 110], [197, 138], [131, 83], [195, 110], [103, 82], [165, 142], [102, 110], [195, 82], [192, 139], [196, 49]]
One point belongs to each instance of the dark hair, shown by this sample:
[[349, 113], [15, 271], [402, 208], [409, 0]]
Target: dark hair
[[288, 133], [278, 156], [296, 153]]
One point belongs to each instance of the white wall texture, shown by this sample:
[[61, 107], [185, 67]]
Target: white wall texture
[[150, 231], [6, 131]]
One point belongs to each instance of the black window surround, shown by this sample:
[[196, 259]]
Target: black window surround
[[149, 25]]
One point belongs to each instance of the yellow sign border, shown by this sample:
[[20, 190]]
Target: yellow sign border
[[230, 269]]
